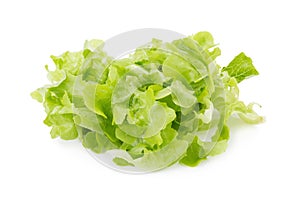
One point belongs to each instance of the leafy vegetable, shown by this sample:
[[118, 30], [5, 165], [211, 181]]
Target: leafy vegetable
[[165, 103]]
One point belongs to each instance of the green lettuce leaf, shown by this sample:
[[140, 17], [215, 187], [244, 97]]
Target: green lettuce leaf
[[241, 67], [194, 154]]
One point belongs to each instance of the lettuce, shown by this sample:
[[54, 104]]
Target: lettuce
[[165, 103]]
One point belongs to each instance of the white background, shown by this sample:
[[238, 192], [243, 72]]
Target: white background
[[262, 161]]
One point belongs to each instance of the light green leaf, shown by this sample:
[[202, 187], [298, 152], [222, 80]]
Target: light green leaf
[[122, 162], [163, 157], [182, 96], [241, 67], [204, 39], [194, 154]]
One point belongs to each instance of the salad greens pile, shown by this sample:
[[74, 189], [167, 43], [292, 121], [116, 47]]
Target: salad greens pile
[[165, 103]]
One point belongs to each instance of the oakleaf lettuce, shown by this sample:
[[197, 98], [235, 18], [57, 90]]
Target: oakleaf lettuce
[[164, 103]]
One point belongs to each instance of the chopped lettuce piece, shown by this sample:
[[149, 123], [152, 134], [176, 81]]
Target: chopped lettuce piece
[[241, 67]]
